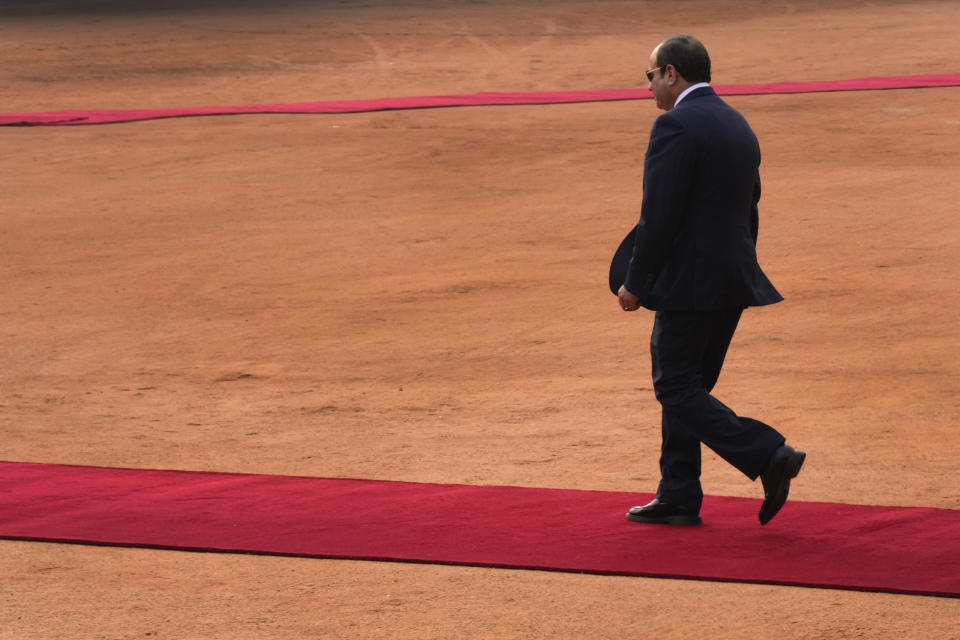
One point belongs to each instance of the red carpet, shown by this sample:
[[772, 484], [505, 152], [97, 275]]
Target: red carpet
[[478, 99], [895, 549]]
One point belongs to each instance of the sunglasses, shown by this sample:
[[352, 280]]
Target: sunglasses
[[649, 73]]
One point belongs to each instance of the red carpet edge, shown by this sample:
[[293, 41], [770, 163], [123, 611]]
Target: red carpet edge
[[908, 550], [107, 116]]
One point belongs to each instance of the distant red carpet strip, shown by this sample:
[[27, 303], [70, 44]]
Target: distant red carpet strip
[[106, 116], [906, 550]]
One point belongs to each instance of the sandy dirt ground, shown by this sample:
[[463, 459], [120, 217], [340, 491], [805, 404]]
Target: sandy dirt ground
[[421, 295]]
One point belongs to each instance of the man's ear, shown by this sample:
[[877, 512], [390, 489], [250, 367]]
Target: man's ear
[[671, 72]]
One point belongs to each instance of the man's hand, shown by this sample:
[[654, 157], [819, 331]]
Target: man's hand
[[628, 301]]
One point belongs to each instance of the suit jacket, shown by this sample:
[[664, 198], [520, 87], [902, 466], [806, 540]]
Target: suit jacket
[[695, 244]]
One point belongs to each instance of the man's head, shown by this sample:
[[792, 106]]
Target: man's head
[[675, 64]]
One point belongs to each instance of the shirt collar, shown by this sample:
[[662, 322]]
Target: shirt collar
[[688, 90]]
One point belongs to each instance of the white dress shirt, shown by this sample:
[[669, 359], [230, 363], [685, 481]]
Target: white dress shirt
[[688, 90]]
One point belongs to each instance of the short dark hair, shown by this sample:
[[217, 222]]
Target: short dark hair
[[687, 55]]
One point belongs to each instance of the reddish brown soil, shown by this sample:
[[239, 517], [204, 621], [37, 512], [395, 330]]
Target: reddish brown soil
[[421, 295]]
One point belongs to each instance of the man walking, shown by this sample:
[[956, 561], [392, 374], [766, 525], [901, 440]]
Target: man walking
[[695, 263]]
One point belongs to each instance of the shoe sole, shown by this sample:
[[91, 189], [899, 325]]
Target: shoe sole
[[686, 521], [790, 470]]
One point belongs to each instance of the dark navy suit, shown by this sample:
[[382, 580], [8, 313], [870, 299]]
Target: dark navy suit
[[695, 263]]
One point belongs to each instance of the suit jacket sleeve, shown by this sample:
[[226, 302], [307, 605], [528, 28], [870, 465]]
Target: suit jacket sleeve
[[668, 174]]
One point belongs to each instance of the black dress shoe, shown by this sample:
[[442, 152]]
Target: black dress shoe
[[664, 513], [784, 464]]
